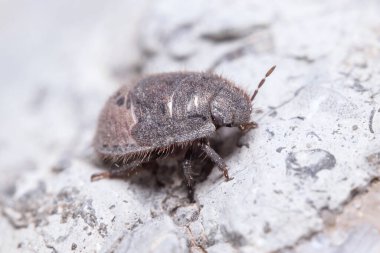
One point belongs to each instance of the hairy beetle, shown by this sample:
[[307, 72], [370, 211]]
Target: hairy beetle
[[166, 112]]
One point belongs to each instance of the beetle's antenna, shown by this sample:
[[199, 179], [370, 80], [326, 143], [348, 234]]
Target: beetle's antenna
[[261, 83]]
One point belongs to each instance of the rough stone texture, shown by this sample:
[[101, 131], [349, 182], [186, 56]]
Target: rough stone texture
[[296, 178]]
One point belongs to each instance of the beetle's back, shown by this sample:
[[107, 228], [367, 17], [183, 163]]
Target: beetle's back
[[160, 111], [113, 134]]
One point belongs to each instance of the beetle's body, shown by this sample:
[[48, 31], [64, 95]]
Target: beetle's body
[[161, 112], [166, 112]]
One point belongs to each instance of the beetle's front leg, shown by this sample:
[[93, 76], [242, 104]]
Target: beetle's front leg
[[215, 158], [248, 126]]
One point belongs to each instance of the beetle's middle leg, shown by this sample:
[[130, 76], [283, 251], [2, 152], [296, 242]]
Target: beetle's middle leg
[[188, 172], [215, 158]]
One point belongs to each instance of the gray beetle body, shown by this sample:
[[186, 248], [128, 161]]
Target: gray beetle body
[[169, 111]]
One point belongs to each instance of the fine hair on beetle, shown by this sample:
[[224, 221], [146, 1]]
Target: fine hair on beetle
[[170, 113]]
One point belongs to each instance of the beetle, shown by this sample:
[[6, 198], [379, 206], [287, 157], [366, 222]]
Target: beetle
[[164, 113]]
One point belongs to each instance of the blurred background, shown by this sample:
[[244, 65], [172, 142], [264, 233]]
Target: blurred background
[[305, 181], [58, 63]]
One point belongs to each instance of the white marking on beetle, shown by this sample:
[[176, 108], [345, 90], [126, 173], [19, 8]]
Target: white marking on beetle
[[192, 102], [196, 102], [169, 104], [131, 121], [134, 118], [188, 106]]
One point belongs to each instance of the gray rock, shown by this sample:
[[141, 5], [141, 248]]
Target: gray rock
[[315, 148]]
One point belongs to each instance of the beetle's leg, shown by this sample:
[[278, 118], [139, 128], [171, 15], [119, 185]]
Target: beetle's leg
[[124, 171], [215, 158], [248, 126], [188, 173]]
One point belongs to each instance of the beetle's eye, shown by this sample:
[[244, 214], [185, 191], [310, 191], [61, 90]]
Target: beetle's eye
[[229, 125]]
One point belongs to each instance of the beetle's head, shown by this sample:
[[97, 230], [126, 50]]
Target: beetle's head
[[232, 108]]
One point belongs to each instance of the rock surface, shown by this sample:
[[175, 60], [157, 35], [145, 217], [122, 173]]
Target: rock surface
[[296, 178]]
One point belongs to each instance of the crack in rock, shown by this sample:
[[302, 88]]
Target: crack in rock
[[371, 116], [329, 215], [306, 237], [273, 109]]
